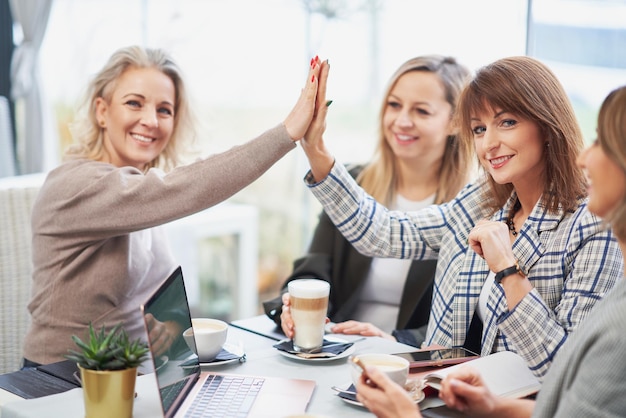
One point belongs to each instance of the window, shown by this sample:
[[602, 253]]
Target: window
[[583, 41], [246, 61]]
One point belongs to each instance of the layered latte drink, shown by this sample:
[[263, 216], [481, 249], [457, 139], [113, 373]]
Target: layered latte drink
[[309, 305]]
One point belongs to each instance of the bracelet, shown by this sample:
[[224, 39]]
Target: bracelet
[[507, 272]]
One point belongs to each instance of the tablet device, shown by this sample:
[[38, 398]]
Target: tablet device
[[438, 357]]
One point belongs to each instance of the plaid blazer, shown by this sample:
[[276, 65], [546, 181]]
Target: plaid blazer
[[569, 258]]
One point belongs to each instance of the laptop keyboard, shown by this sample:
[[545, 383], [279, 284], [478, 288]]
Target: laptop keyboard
[[225, 396], [170, 393]]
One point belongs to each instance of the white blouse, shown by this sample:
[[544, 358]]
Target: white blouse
[[380, 298]]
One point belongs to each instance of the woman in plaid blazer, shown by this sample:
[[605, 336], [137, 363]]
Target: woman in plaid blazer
[[417, 162], [587, 377], [550, 260]]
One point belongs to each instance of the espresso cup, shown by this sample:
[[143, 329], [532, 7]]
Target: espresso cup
[[397, 368], [206, 337], [309, 305]]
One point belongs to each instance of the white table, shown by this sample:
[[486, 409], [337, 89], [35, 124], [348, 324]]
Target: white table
[[262, 359]]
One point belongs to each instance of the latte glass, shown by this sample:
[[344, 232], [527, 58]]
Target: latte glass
[[309, 305]]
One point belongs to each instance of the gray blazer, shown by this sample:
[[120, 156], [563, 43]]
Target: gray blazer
[[587, 376]]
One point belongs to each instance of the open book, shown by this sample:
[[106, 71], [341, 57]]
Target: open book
[[505, 374]]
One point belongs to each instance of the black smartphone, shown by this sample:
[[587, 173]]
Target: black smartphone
[[438, 357]]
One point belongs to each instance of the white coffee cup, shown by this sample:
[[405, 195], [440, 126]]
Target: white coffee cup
[[397, 368], [206, 337], [309, 306]]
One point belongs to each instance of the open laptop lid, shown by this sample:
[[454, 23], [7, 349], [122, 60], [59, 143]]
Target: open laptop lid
[[177, 367]]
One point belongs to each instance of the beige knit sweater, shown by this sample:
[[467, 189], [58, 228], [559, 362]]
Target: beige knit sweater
[[98, 252]]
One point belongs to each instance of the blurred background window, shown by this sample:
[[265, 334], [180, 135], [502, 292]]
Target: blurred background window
[[246, 60], [584, 42]]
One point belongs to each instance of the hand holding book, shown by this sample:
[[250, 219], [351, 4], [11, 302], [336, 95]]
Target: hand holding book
[[466, 389], [499, 376], [504, 374]]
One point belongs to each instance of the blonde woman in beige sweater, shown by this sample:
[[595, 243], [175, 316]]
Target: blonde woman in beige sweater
[[98, 251]]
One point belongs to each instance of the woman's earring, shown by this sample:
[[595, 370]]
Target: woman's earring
[[101, 123]]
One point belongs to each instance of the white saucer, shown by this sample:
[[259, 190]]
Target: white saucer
[[233, 349], [345, 354], [417, 394]]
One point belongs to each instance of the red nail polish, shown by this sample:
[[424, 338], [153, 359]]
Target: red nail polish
[[312, 62], [313, 79]]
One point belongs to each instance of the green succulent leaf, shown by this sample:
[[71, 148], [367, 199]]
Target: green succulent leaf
[[108, 350]]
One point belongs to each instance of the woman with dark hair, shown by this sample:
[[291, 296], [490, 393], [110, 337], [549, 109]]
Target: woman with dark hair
[[521, 260], [587, 377]]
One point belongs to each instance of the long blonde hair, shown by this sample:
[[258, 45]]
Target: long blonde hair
[[612, 138], [379, 177], [526, 87], [87, 134]]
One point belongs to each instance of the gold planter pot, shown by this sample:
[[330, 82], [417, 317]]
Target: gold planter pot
[[108, 393]]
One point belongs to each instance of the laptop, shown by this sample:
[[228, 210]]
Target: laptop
[[184, 388]]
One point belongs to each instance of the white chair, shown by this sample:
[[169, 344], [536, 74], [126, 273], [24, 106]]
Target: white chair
[[17, 195]]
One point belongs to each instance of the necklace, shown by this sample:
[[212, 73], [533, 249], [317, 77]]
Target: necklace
[[510, 222]]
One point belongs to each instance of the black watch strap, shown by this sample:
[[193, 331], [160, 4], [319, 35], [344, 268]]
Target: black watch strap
[[506, 272]]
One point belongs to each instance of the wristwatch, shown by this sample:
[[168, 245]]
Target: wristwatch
[[507, 272]]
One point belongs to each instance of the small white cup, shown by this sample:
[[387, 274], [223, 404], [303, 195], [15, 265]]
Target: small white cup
[[397, 368], [206, 337]]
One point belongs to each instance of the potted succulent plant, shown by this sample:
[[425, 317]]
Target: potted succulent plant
[[108, 362]]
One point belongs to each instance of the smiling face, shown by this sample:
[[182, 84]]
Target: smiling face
[[138, 117], [606, 181], [509, 147], [416, 120]]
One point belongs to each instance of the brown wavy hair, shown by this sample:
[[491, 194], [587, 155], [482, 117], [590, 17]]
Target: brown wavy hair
[[612, 138], [528, 88]]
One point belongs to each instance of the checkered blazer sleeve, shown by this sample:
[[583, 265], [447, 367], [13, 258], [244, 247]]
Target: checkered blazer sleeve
[[580, 262], [376, 231]]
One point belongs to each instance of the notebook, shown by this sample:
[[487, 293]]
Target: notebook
[[261, 325], [183, 387]]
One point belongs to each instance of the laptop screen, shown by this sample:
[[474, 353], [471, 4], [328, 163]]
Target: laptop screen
[[167, 316]]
